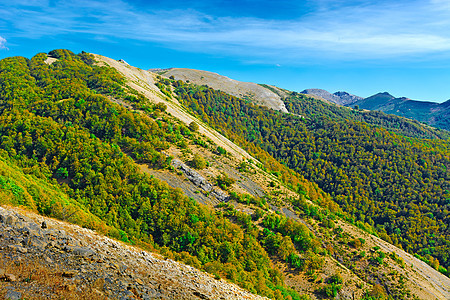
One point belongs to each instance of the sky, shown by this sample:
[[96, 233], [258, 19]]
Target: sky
[[362, 47]]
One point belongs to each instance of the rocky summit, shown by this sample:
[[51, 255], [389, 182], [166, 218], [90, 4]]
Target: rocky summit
[[42, 258]]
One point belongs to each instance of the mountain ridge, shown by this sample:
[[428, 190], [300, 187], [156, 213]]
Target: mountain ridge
[[127, 133], [250, 90], [432, 113], [340, 97]]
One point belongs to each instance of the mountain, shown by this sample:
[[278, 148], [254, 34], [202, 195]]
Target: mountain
[[375, 101], [346, 98], [245, 90], [341, 98], [431, 113], [435, 114], [315, 203]]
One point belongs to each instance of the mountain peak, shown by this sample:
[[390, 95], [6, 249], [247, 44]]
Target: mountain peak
[[346, 98], [383, 94], [340, 97]]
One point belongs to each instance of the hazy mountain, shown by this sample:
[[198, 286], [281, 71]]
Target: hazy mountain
[[341, 98], [432, 113]]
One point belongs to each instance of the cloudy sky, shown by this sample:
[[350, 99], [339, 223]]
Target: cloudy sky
[[362, 47]]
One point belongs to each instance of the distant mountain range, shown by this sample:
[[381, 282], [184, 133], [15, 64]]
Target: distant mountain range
[[432, 113], [341, 98]]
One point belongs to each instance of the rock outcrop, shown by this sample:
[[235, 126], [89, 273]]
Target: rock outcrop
[[199, 180]]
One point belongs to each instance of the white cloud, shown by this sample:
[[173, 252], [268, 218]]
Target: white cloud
[[334, 30], [2, 43]]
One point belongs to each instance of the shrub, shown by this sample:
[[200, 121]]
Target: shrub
[[161, 106], [198, 162], [224, 182], [62, 173], [221, 151], [193, 126]]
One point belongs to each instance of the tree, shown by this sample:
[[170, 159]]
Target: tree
[[198, 162], [161, 106], [193, 126], [62, 173]]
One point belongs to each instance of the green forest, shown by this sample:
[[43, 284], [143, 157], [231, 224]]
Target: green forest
[[63, 136], [396, 186], [70, 151]]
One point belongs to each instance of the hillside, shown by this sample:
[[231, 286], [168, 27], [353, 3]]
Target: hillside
[[200, 176], [70, 262], [310, 102], [435, 114], [244, 90]]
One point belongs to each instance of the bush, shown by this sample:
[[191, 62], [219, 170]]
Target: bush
[[198, 162], [193, 126], [221, 151], [160, 106], [224, 182], [62, 173]]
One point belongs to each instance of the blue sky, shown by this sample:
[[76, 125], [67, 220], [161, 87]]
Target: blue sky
[[362, 47]]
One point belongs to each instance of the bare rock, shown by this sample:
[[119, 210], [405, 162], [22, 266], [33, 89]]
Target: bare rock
[[13, 295], [199, 180], [10, 277], [18, 248]]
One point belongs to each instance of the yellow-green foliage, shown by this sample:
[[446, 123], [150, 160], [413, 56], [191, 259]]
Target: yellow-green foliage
[[28, 191]]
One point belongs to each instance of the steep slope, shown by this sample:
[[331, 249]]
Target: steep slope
[[443, 286], [318, 150], [144, 82], [69, 262], [245, 90], [275, 222]]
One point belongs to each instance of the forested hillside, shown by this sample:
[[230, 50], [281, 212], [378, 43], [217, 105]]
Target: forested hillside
[[58, 125], [313, 108], [75, 139], [393, 185]]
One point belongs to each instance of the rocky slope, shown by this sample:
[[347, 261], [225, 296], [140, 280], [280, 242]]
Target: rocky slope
[[45, 258]]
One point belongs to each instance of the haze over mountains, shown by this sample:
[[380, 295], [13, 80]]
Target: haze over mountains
[[432, 113], [341, 98]]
